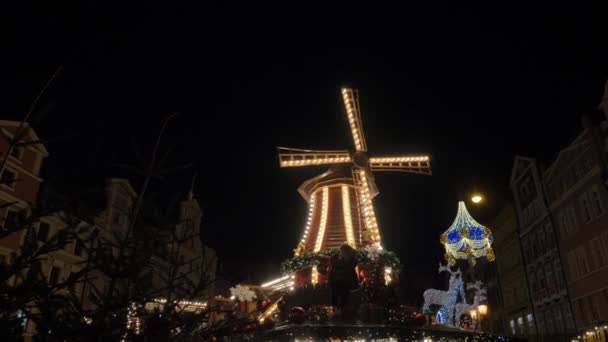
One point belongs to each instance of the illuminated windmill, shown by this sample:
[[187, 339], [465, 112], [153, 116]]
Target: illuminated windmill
[[340, 200]]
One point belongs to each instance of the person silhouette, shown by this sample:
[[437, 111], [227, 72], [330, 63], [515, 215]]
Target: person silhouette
[[342, 277]]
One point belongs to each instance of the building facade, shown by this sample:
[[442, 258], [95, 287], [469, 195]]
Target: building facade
[[20, 182], [517, 312], [578, 199], [544, 269]]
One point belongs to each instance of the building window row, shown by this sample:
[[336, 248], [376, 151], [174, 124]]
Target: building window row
[[578, 262], [591, 204], [579, 169], [567, 221]]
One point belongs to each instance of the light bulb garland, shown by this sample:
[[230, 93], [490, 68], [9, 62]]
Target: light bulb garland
[[366, 255]]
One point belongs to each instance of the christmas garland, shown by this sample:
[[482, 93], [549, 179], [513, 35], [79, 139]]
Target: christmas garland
[[364, 256]]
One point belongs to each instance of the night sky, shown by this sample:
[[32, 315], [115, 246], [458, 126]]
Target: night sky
[[472, 87]]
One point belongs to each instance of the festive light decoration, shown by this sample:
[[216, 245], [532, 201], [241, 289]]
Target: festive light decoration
[[351, 102], [370, 254], [323, 224], [314, 276], [479, 296], [348, 220], [242, 293], [598, 334], [363, 229], [270, 310], [467, 239], [369, 216], [387, 275], [311, 208], [133, 320], [446, 299]]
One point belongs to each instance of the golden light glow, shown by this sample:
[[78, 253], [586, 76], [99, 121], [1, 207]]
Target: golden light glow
[[323, 223], [348, 220], [275, 281], [384, 160], [387, 275], [483, 309], [314, 275], [477, 198], [311, 209], [272, 308], [367, 208], [316, 161], [354, 119], [473, 314]]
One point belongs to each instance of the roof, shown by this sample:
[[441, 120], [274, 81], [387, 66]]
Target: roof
[[581, 141], [32, 134], [516, 162]]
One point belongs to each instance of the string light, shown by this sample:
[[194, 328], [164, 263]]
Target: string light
[[369, 215], [354, 119], [386, 160], [445, 299], [324, 209], [348, 221], [316, 161], [311, 209]]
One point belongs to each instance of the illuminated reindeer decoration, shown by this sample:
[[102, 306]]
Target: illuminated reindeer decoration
[[464, 308], [445, 299]]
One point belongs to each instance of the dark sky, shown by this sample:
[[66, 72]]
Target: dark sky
[[470, 86]]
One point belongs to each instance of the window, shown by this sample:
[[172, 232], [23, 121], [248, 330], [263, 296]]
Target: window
[[54, 277], [600, 254], [563, 225], [549, 322], [43, 231], [8, 178], [541, 323], [568, 316], [550, 279], [586, 208], [512, 325], [582, 262], [559, 276], [11, 220], [541, 280], [596, 199], [557, 317], [542, 246], [530, 320], [594, 308], [17, 153], [572, 265], [571, 220], [520, 325]]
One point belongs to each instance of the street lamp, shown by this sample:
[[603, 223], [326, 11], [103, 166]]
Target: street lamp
[[476, 198], [482, 309]]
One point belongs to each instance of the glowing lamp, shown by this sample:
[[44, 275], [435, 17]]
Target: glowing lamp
[[476, 198], [483, 309], [473, 314]]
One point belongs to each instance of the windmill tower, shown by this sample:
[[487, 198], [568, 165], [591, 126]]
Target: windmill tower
[[340, 199]]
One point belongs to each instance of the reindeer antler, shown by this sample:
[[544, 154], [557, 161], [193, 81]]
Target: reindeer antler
[[444, 268], [448, 268]]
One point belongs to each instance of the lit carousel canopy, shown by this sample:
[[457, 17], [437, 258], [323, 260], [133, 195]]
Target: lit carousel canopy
[[466, 239]]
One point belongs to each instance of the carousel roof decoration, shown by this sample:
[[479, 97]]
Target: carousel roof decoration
[[467, 239]]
